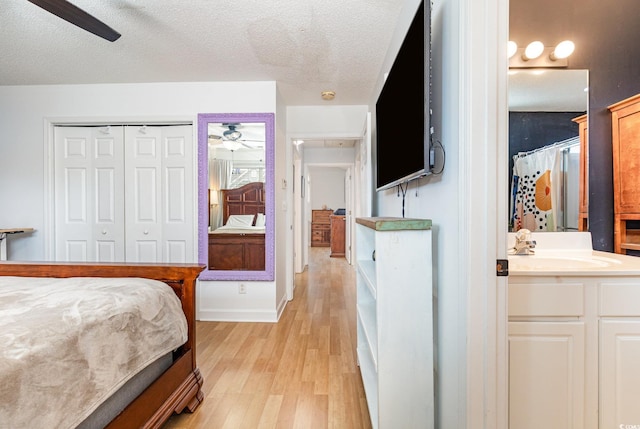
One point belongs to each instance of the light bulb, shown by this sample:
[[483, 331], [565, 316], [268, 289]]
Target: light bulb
[[512, 48], [533, 50], [563, 50]]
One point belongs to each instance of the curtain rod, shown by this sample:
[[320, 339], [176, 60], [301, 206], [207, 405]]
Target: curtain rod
[[560, 144]]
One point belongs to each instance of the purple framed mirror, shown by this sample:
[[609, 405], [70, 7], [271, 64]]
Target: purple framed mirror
[[236, 200]]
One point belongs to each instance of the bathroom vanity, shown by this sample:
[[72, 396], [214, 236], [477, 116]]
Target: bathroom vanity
[[574, 336]]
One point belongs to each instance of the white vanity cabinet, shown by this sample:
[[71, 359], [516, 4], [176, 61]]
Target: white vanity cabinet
[[574, 351], [546, 372], [395, 320], [620, 353], [547, 355]]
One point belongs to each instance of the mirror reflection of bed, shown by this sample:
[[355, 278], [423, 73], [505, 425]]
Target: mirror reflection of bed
[[239, 243]]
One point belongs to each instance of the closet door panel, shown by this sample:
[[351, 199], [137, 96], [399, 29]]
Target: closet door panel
[[179, 197], [143, 229], [88, 186]]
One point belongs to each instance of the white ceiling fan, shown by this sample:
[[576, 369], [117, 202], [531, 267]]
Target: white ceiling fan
[[229, 136]]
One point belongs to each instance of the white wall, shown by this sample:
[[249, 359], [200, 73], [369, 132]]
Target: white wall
[[438, 199], [325, 121], [23, 161], [469, 104], [326, 187]]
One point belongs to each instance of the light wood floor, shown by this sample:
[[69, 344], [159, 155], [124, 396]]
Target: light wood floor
[[298, 373]]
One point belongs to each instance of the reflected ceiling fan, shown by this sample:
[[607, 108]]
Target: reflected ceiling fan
[[76, 16], [231, 138]]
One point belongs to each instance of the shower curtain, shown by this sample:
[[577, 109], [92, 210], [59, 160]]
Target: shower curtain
[[535, 194]]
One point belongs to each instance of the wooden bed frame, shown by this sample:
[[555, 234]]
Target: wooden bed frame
[[245, 200], [179, 387], [239, 251]]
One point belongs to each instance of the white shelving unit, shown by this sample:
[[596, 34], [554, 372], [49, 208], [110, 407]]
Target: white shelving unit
[[395, 320]]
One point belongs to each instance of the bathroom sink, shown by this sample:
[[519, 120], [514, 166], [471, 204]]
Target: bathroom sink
[[559, 262]]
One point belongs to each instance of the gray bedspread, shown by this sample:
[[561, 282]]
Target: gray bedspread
[[67, 344]]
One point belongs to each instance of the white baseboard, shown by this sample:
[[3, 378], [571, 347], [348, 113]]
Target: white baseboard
[[226, 315]]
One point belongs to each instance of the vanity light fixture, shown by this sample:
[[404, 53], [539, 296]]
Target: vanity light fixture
[[536, 55], [562, 50], [512, 48], [533, 50]]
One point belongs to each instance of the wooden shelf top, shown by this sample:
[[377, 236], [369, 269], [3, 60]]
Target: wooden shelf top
[[14, 230], [394, 223]]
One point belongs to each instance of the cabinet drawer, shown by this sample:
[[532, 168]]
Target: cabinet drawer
[[620, 299], [546, 299], [321, 216]]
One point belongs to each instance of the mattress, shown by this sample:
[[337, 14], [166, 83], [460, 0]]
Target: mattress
[[69, 344], [239, 230]]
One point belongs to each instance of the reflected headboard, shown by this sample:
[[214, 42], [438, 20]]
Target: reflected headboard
[[246, 200]]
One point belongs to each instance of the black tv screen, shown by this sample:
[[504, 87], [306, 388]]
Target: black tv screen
[[402, 110]]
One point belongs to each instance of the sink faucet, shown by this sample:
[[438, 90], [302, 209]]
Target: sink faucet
[[524, 244]]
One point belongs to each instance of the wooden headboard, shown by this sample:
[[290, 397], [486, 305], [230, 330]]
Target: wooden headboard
[[248, 199]]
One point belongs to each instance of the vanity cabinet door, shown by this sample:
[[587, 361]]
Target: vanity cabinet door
[[619, 373], [547, 375]]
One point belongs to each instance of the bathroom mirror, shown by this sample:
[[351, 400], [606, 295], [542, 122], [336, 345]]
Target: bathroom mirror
[[236, 204], [543, 106]]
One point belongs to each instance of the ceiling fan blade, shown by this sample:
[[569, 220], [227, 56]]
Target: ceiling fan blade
[[76, 16]]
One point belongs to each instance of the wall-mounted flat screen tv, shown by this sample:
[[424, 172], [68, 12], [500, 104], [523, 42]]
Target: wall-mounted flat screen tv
[[402, 109]]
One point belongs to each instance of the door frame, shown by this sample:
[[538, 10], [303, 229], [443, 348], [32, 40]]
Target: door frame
[[483, 135], [349, 208]]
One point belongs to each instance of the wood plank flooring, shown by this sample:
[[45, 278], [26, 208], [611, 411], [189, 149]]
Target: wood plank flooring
[[298, 373]]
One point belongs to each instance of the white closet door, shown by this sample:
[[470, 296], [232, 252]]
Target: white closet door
[[179, 196], [88, 185], [160, 189]]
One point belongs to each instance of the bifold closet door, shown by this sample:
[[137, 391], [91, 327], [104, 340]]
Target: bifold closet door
[[159, 177], [89, 203], [125, 193]]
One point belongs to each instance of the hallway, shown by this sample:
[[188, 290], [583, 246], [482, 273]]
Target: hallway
[[298, 373]]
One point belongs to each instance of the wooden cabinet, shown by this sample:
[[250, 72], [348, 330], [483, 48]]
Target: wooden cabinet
[[625, 127], [395, 320], [337, 236], [321, 228], [583, 190]]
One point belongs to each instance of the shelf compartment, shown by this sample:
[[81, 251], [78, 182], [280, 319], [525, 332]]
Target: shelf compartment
[[367, 327], [367, 271], [369, 381]]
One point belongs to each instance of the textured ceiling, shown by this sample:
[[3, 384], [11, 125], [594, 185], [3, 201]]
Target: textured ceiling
[[306, 46]]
